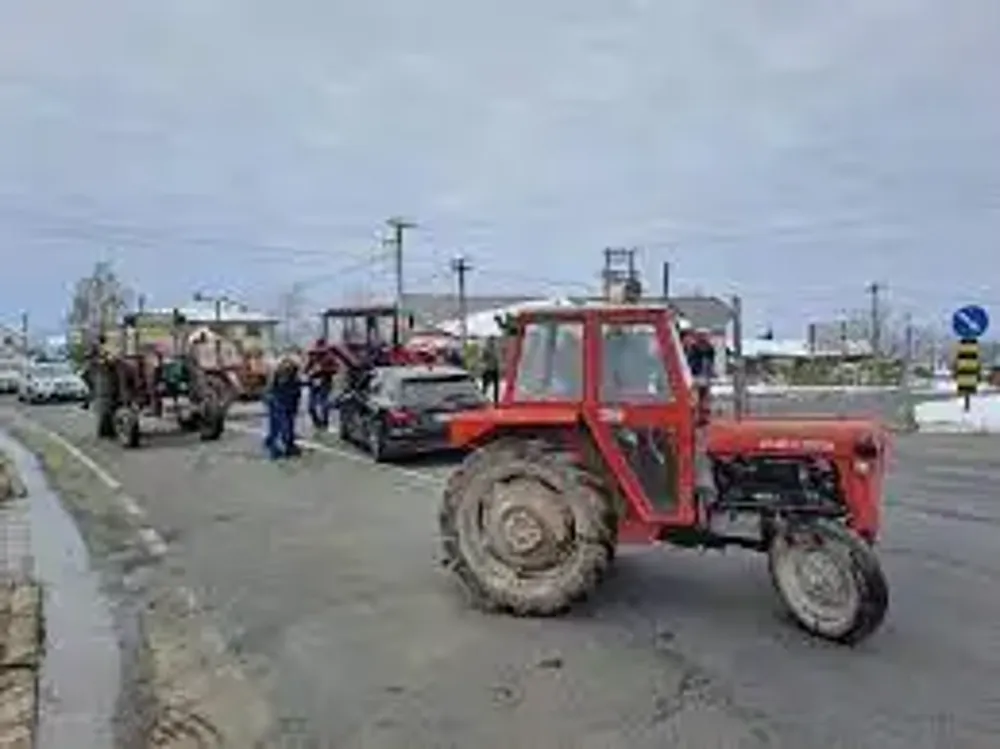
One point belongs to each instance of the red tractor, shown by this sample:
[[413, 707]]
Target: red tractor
[[360, 334], [597, 442]]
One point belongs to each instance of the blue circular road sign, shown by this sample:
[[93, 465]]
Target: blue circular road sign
[[971, 321]]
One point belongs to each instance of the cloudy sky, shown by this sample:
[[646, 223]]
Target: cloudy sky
[[792, 151]]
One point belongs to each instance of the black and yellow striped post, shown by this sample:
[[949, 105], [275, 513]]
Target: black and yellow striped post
[[967, 369]]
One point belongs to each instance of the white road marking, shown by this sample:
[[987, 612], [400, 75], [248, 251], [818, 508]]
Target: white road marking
[[105, 478], [154, 542], [421, 478], [132, 507]]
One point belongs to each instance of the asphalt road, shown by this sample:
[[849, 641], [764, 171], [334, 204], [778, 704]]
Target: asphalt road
[[323, 575]]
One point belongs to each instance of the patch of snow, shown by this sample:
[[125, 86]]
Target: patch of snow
[[950, 415]]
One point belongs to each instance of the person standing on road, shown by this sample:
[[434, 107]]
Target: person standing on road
[[490, 364], [320, 371], [281, 398], [95, 359]]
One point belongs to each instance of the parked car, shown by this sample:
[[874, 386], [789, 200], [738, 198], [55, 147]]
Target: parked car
[[10, 375], [404, 410], [47, 382]]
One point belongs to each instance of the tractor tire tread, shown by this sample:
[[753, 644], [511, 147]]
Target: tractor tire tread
[[873, 588], [596, 551]]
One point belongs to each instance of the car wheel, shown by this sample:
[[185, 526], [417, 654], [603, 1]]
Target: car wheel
[[343, 428], [376, 440]]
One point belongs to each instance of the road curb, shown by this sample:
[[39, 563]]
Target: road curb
[[21, 650], [22, 637]]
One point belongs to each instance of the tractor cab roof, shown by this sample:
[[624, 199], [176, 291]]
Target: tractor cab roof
[[596, 311], [376, 310]]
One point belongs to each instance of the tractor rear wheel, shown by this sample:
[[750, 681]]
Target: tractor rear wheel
[[127, 427], [104, 405], [829, 580], [212, 421], [525, 528]]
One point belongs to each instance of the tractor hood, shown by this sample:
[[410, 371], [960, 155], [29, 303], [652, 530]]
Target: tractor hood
[[815, 435]]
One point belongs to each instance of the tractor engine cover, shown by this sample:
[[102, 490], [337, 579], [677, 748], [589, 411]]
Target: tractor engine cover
[[769, 479]]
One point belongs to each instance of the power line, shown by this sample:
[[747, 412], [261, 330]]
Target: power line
[[116, 233]]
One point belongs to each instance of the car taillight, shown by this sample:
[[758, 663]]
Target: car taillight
[[866, 449], [400, 417], [866, 454]]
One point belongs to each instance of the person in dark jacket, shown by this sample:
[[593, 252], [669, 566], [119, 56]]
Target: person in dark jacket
[[284, 390], [320, 371], [701, 361], [94, 360], [490, 365]]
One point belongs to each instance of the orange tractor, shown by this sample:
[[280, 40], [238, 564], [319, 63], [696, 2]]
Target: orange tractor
[[597, 441]]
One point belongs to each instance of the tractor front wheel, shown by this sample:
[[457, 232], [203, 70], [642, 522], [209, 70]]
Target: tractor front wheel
[[829, 580], [525, 528]]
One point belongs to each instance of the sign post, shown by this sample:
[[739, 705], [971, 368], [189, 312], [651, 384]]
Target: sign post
[[969, 323]]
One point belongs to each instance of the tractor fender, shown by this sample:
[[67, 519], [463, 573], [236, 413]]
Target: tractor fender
[[468, 429]]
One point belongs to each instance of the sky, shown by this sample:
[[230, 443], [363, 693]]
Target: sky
[[791, 152]]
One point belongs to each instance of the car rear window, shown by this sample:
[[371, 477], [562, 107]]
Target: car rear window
[[439, 391], [52, 370]]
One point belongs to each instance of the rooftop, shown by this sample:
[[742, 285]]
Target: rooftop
[[205, 313], [755, 348], [432, 309]]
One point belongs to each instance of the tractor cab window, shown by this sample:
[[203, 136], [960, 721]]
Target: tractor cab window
[[551, 362], [633, 368]]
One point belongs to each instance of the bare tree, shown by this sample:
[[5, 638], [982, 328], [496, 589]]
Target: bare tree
[[98, 300], [295, 327]]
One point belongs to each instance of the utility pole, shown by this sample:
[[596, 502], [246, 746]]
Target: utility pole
[[875, 289], [24, 332], [666, 281], [399, 226], [460, 267], [907, 415], [609, 254], [739, 363], [907, 350]]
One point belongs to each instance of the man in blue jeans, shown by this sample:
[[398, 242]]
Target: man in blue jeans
[[320, 370], [284, 390]]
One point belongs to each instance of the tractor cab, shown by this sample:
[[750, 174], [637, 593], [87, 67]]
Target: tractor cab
[[622, 371], [600, 438], [362, 333]]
